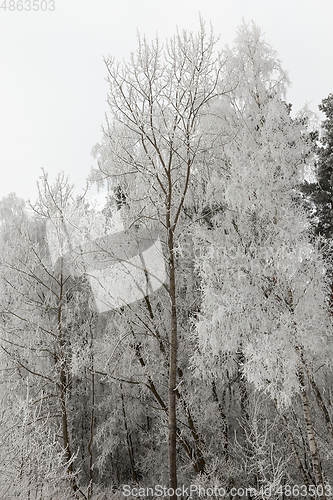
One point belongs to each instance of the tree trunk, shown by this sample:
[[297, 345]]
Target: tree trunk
[[311, 439], [197, 463], [294, 447], [320, 402], [62, 386], [224, 421], [128, 438], [172, 370], [64, 420], [92, 421]]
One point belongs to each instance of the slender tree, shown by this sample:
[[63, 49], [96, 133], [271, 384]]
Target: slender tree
[[38, 318], [152, 148]]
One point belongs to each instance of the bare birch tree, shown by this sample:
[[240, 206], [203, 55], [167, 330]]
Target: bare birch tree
[[37, 321], [154, 146]]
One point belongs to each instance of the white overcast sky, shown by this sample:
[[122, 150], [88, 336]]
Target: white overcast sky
[[52, 86]]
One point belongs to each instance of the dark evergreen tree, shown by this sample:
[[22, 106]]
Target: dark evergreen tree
[[320, 192]]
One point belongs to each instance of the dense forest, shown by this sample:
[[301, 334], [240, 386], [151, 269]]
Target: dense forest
[[178, 340]]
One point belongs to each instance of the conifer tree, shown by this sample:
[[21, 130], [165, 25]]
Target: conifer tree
[[320, 190]]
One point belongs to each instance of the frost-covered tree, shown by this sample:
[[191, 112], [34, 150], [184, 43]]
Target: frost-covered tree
[[152, 148], [264, 293], [202, 255], [41, 322], [320, 191]]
